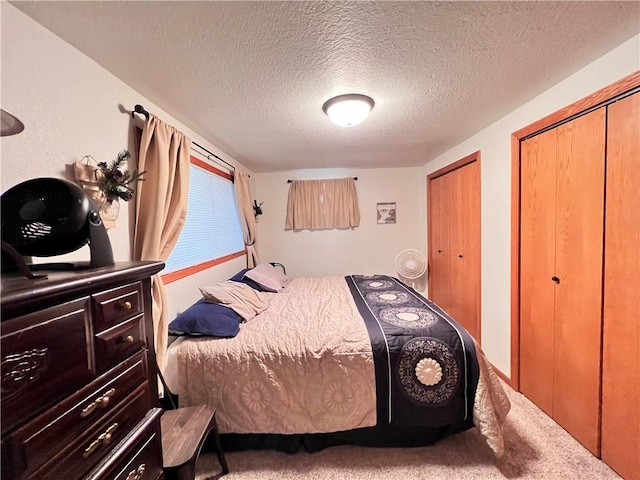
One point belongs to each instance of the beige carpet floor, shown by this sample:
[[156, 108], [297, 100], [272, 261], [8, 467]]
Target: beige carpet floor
[[536, 448]]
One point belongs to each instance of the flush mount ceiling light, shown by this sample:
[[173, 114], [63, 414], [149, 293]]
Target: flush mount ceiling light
[[348, 110]]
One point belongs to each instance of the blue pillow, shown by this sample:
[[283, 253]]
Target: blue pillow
[[210, 319], [239, 277]]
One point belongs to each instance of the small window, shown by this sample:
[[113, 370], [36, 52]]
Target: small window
[[212, 232], [322, 204]]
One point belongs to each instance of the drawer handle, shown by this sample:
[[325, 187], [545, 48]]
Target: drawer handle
[[138, 473], [129, 339], [127, 305], [103, 439], [101, 402]]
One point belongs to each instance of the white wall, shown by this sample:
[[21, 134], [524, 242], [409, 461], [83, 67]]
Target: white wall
[[367, 249], [72, 107], [494, 142]]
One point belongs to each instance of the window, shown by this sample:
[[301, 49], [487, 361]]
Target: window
[[322, 204], [212, 232]]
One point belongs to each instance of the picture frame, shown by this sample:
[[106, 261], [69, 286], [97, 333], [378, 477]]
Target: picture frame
[[386, 213]]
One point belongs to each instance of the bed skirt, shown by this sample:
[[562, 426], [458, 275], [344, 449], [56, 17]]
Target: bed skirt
[[378, 436]]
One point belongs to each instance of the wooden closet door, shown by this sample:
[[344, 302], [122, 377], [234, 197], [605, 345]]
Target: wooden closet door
[[621, 356], [578, 293], [537, 266], [439, 249], [465, 247]]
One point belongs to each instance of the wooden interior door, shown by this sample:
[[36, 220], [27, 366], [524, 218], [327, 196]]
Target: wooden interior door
[[578, 266], [562, 195], [621, 355], [537, 266], [439, 249], [465, 247]]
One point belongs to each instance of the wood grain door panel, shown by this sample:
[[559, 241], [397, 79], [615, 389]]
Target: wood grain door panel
[[456, 232], [537, 256], [578, 295], [465, 247], [439, 249], [621, 354]]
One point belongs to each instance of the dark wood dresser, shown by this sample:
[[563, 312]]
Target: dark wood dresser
[[79, 386]]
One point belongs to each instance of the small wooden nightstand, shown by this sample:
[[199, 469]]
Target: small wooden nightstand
[[184, 431]]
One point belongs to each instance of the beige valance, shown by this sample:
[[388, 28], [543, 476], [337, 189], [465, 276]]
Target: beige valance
[[322, 204]]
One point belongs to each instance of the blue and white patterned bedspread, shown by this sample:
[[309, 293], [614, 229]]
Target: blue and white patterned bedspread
[[425, 362]]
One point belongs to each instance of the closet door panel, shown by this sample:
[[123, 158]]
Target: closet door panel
[[465, 247], [471, 263], [456, 234], [621, 356], [578, 295], [439, 249], [537, 255]]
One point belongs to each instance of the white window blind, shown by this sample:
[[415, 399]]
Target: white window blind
[[212, 228]]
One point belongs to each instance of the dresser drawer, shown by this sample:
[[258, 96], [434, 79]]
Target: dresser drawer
[[119, 342], [98, 441], [46, 356], [31, 446], [114, 306], [139, 456]]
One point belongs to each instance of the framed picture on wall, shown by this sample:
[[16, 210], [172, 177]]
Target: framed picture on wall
[[386, 212]]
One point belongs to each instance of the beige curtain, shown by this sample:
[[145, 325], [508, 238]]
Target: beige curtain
[[322, 204], [247, 217], [161, 209]]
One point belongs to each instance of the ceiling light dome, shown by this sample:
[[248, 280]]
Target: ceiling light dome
[[348, 110]]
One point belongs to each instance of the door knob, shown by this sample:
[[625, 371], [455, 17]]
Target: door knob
[[555, 279]]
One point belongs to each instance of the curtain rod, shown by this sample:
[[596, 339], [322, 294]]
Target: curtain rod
[[141, 110], [289, 181]]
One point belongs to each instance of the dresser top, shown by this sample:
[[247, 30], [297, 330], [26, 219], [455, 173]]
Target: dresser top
[[19, 294]]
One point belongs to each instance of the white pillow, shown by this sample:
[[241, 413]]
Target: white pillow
[[268, 277]]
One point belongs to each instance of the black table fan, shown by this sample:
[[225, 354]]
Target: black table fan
[[44, 217]]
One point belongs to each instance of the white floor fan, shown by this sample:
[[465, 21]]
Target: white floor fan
[[411, 267]]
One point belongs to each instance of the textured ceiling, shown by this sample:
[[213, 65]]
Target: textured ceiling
[[251, 77]]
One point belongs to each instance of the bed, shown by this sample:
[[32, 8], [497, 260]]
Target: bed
[[355, 359]]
